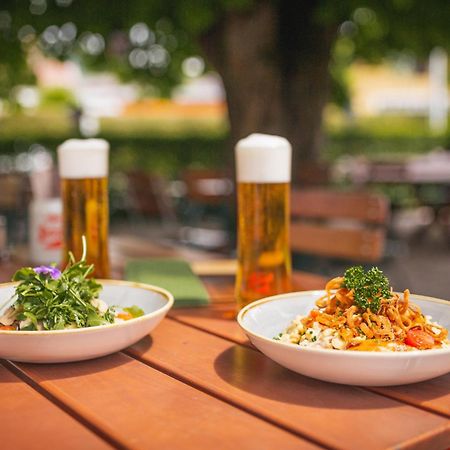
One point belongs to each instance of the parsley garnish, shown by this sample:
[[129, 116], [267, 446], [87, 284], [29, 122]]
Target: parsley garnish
[[57, 300], [368, 287]]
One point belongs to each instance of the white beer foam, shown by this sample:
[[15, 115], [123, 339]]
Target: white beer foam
[[83, 158], [263, 158]]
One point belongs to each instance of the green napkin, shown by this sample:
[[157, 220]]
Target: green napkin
[[175, 275]]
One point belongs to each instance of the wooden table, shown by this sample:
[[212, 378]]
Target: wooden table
[[197, 383]]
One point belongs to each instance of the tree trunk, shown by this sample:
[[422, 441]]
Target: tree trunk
[[273, 61]]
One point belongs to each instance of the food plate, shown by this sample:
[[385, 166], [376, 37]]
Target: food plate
[[86, 343], [266, 318]]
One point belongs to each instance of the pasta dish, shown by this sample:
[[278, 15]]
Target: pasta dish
[[361, 312]]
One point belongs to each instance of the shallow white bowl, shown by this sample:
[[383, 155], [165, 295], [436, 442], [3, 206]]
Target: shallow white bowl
[[87, 343], [266, 318]]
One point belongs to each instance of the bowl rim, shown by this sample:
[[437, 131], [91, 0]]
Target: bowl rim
[[359, 354], [133, 284]]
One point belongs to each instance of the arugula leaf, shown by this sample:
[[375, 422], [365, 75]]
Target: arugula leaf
[[135, 311], [58, 300], [368, 287]]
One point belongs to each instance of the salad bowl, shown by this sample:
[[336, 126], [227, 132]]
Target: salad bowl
[[266, 318], [55, 346]]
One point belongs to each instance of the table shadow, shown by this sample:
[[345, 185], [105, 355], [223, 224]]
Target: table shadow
[[140, 347], [252, 372], [58, 371]]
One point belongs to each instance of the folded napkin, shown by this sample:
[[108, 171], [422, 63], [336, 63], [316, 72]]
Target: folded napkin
[[175, 275]]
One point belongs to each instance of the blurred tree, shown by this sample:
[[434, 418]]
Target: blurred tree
[[273, 55]]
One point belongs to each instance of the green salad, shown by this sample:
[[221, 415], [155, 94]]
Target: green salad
[[49, 299]]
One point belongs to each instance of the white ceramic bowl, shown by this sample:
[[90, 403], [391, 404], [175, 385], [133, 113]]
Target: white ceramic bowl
[[266, 318], [86, 343]]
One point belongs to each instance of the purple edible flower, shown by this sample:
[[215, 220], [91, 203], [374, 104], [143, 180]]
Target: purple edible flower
[[54, 272]]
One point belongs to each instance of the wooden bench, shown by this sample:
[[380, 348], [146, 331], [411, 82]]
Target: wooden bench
[[342, 225]]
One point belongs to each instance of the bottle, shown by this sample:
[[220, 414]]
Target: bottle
[[45, 230]]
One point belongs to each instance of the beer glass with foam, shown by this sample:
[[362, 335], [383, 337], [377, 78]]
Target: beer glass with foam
[[83, 168], [263, 175]]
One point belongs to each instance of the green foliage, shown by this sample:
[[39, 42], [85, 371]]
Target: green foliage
[[371, 30], [378, 27], [173, 25], [57, 97], [14, 69], [368, 287], [386, 137], [57, 303], [167, 146]]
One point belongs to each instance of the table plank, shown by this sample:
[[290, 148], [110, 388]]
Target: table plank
[[140, 407], [433, 395], [29, 420], [322, 411], [222, 287], [216, 319]]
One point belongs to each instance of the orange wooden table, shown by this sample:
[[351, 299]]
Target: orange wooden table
[[197, 383]]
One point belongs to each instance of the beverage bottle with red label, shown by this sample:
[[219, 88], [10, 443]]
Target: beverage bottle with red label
[[46, 230]]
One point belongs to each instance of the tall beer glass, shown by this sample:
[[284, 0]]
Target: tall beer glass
[[263, 174], [83, 168]]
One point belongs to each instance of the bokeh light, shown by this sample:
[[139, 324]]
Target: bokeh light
[[64, 3], [348, 28], [5, 20], [92, 43], [158, 56], [27, 96], [67, 32], [50, 35], [140, 34], [138, 58], [26, 34], [38, 7], [193, 66], [364, 16]]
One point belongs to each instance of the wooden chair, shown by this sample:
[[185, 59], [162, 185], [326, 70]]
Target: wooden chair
[[207, 206], [339, 225], [312, 174], [207, 186], [15, 195], [147, 196]]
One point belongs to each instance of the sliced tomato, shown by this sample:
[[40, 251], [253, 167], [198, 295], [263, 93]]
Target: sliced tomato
[[419, 339], [7, 327]]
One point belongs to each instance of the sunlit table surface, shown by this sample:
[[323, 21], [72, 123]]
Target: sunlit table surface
[[197, 383]]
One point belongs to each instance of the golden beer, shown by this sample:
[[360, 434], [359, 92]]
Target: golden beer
[[263, 187], [263, 241], [83, 168], [86, 212]]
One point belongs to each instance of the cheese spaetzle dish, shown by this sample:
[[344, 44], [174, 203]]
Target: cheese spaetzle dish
[[360, 311]]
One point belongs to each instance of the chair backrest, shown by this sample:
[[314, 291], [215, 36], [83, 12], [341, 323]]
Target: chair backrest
[[147, 195], [340, 225], [15, 191], [207, 186], [312, 174]]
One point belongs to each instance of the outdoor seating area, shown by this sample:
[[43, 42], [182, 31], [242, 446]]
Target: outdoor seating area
[[224, 225], [331, 221]]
